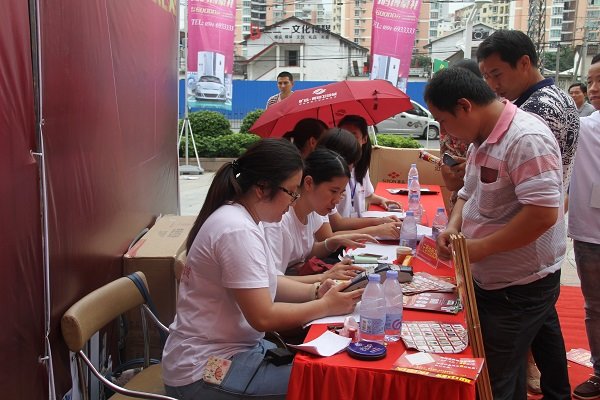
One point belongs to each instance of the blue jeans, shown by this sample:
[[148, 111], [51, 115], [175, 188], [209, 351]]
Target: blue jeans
[[515, 319], [249, 377], [587, 257]]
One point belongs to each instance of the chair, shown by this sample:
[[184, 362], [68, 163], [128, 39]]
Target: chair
[[98, 309]]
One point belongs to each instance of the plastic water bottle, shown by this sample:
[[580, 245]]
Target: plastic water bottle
[[408, 232], [413, 171], [440, 221], [414, 197], [372, 311], [392, 291]]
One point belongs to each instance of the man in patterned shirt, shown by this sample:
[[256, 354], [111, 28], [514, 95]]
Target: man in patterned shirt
[[509, 64], [285, 83], [511, 212]]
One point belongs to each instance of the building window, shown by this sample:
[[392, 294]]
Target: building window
[[357, 32], [356, 40], [292, 58]]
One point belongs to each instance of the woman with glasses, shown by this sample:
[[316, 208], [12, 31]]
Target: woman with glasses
[[301, 234], [230, 292]]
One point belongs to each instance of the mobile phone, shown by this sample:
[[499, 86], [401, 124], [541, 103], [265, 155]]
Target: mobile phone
[[449, 160], [361, 280]]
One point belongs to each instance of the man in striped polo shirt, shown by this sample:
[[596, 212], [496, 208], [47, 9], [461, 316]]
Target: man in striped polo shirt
[[511, 212]]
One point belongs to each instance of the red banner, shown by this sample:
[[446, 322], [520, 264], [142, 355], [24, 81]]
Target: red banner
[[392, 39], [211, 32]]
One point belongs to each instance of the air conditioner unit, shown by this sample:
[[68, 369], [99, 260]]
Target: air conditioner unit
[[480, 34]]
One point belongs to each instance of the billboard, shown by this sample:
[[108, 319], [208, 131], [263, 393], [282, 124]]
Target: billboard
[[211, 26], [392, 39]]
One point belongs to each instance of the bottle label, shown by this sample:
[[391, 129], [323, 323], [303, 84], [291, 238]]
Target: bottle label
[[393, 322], [372, 326]]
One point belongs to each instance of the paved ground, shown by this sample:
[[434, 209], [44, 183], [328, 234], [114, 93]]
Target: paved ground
[[193, 190]]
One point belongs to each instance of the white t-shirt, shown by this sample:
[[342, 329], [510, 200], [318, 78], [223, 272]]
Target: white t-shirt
[[230, 251], [353, 204], [292, 241], [584, 193]]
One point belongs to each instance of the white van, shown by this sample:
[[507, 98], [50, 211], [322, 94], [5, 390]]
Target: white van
[[414, 122]]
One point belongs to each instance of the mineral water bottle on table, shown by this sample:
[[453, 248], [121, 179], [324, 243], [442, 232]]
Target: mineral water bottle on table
[[440, 221], [414, 198], [412, 172], [372, 311], [392, 291], [408, 232]]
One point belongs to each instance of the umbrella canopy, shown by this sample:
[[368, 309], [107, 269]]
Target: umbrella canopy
[[374, 100]]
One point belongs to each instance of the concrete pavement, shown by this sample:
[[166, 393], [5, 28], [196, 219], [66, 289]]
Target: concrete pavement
[[193, 190]]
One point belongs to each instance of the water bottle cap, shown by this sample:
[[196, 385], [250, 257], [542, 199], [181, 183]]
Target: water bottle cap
[[410, 213], [374, 278], [391, 274], [413, 165], [441, 209]]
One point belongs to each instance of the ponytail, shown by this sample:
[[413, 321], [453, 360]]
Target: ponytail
[[268, 162]]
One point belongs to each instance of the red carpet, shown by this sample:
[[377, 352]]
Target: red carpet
[[571, 315]]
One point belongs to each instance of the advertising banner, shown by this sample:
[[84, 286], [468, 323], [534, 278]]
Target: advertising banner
[[211, 25], [392, 39]]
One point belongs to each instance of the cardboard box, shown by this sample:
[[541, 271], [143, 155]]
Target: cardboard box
[[157, 254], [391, 165]]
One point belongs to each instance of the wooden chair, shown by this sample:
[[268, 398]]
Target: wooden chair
[[98, 309]]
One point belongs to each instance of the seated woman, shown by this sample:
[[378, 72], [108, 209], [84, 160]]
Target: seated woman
[[362, 193], [343, 142], [301, 233], [230, 292], [305, 135]]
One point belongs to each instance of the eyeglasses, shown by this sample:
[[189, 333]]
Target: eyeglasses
[[294, 195]]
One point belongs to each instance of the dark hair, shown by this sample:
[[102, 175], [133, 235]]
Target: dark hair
[[267, 162], [323, 165], [285, 74], [596, 58], [469, 65], [305, 129], [451, 84], [342, 142], [510, 45], [362, 165], [580, 85]]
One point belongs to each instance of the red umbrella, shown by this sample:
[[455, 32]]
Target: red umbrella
[[374, 100]]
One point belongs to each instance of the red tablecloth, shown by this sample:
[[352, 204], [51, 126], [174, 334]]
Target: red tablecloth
[[430, 202], [341, 377]]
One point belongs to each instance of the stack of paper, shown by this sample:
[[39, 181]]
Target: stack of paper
[[326, 345]]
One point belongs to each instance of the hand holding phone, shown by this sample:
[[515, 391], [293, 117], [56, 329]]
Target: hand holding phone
[[449, 160]]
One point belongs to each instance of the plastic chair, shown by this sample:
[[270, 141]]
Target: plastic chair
[[98, 309]]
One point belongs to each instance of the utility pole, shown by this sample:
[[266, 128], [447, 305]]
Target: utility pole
[[556, 70], [537, 27]]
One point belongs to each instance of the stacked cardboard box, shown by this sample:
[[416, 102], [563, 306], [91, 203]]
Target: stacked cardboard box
[[157, 254]]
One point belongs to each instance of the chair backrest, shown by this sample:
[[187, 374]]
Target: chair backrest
[[98, 308]]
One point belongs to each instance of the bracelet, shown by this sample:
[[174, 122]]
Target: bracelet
[[327, 247], [317, 287]]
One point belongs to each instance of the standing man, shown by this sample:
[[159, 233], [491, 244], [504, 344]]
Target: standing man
[[584, 227], [509, 64], [511, 211], [285, 83], [578, 92]]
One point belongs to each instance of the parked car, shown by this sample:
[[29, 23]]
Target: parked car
[[209, 88], [412, 122]]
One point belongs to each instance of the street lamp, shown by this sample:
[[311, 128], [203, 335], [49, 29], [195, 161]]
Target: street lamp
[[468, 32]]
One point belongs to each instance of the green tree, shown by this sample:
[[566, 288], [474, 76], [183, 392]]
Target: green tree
[[565, 61]]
